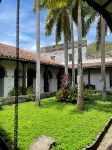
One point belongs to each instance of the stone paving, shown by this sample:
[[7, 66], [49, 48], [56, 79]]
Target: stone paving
[[42, 143], [107, 140]]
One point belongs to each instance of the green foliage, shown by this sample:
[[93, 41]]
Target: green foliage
[[12, 92], [88, 94], [91, 48], [58, 18], [29, 91], [1, 102], [59, 95], [72, 95], [71, 130]]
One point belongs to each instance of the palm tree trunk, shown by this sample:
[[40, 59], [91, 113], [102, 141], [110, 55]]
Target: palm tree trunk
[[103, 77], [80, 101], [73, 60], [38, 53], [66, 54]]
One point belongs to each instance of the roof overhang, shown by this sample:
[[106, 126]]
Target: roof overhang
[[104, 7]]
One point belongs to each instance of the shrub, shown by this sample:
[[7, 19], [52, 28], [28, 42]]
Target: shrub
[[65, 86], [89, 86], [1, 102], [66, 93], [109, 92], [88, 94], [12, 92], [29, 91], [59, 95], [72, 95]]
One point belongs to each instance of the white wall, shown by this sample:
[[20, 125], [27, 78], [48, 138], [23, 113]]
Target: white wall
[[9, 80], [59, 55], [53, 82], [95, 78]]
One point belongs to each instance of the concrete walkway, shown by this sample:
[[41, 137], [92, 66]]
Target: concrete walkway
[[107, 140]]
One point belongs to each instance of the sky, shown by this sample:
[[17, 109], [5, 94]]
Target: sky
[[28, 26]]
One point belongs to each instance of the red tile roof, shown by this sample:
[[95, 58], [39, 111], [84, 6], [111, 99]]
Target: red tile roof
[[93, 65], [9, 52]]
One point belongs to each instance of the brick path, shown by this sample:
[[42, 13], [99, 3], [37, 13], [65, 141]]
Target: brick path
[[107, 140]]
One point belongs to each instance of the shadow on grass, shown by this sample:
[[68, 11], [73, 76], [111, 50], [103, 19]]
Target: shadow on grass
[[95, 103], [52, 103], [6, 137], [7, 143], [99, 105]]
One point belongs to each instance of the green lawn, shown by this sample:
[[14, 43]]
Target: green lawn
[[70, 129]]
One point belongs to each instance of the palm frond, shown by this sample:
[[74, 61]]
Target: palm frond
[[89, 20], [53, 4], [58, 31], [50, 21], [66, 24]]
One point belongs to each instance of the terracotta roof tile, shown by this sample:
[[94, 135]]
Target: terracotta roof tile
[[93, 65], [9, 52]]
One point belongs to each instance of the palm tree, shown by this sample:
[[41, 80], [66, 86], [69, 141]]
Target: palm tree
[[59, 17], [38, 53], [80, 101], [54, 4], [65, 3], [100, 37], [103, 77], [72, 43]]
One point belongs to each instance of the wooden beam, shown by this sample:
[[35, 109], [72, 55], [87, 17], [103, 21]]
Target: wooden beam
[[107, 3], [24, 78]]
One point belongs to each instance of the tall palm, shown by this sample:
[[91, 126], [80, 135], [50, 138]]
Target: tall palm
[[80, 101], [103, 76], [58, 18], [101, 31], [38, 53], [54, 4], [72, 43], [44, 3]]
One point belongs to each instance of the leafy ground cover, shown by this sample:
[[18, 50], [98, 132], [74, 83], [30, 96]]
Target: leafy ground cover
[[71, 130]]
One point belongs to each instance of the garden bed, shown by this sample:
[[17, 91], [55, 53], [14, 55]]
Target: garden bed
[[71, 130]]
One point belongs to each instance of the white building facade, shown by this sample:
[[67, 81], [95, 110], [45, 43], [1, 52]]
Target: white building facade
[[56, 52], [50, 72]]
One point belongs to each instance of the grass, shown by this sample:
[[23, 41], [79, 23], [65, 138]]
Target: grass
[[71, 130]]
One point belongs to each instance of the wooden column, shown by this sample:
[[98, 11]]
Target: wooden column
[[46, 86], [61, 71], [76, 77], [89, 82], [24, 78]]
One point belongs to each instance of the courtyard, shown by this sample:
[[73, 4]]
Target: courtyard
[[71, 129]]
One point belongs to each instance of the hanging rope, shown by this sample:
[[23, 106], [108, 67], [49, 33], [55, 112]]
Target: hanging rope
[[16, 78]]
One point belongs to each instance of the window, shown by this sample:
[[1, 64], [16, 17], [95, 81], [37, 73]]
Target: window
[[70, 57], [53, 57]]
